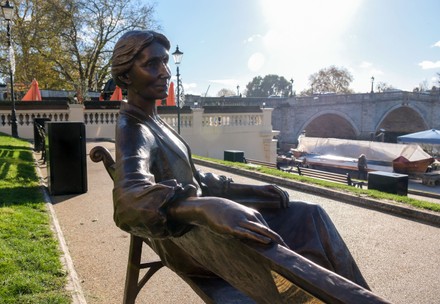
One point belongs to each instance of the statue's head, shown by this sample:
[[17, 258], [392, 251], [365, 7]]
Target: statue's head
[[126, 49]]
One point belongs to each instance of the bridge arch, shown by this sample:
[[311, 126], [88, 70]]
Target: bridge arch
[[396, 120], [331, 124]]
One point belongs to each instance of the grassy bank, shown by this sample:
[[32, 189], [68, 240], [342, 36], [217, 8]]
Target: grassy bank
[[361, 192], [30, 267]]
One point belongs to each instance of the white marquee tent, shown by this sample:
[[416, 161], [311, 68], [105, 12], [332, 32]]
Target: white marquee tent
[[424, 137], [429, 140]]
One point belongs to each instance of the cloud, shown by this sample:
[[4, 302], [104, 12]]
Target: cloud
[[427, 64], [370, 68], [376, 72], [190, 85], [437, 44], [186, 85], [229, 81], [191, 88], [365, 65]]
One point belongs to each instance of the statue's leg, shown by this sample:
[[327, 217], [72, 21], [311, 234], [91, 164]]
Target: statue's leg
[[308, 230]]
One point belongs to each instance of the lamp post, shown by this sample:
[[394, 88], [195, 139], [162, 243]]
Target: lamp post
[[291, 87], [177, 55], [372, 84], [8, 12]]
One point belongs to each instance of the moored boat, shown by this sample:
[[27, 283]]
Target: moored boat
[[342, 154], [342, 163], [405, 166]]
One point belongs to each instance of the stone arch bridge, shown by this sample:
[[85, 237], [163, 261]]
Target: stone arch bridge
[[372, 116]]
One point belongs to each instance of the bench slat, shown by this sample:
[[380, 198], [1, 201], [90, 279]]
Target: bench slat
[[330, 176]]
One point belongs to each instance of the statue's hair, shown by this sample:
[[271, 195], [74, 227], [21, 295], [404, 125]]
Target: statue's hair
[[128, 46]]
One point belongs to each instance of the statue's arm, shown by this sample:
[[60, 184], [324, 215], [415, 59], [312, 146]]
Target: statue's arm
[[255, 196], [140, 203]]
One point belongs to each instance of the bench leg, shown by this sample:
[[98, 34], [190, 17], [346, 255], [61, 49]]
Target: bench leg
[[132, 283], [131, 280]]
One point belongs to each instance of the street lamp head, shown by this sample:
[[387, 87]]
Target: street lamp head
[[177, 55], [8, 11]]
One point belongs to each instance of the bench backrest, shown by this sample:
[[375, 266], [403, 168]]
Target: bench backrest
[[98, 154]]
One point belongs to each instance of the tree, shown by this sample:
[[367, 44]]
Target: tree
[[267, 86], [330, 80], [306, 92], [383, 87], [423, 87], [225, 92], [67, 44]]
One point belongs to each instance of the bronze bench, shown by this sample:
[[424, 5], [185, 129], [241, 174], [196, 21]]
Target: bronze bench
[[246, 272], [330, 176]]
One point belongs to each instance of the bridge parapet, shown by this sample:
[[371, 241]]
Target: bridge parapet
[[382, 96]]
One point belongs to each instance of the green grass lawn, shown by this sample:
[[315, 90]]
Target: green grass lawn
[[322, 183], [30, 266]]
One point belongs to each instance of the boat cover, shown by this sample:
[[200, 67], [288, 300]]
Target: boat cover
[[377, 151]]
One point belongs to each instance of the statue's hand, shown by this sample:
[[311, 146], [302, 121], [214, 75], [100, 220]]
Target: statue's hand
[[224, 216], [227, 217]]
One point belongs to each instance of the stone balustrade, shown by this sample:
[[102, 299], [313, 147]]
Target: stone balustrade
[[208, 131]]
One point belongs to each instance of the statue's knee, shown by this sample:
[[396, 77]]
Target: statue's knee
[[307, 208], [304, 205]]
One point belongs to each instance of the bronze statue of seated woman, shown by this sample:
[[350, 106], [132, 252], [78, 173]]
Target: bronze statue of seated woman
[[158, 193]]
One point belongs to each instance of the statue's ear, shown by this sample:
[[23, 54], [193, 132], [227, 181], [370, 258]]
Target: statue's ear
[[125, 79]]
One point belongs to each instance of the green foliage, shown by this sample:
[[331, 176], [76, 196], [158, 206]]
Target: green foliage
[[30, 268], [330, 80], [268, 86], [68, 44]]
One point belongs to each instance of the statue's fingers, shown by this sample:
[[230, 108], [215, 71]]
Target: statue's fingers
[[246, 234], [264, 231]]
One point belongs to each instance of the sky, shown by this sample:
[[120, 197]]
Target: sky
[[226, 43]]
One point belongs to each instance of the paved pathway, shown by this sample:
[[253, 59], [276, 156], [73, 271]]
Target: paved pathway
[[400, 258]]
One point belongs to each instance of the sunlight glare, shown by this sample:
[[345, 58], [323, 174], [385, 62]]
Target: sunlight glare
[[256, 62], [306, 32]]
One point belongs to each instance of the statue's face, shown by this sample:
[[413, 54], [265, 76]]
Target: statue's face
[[150, 74]]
